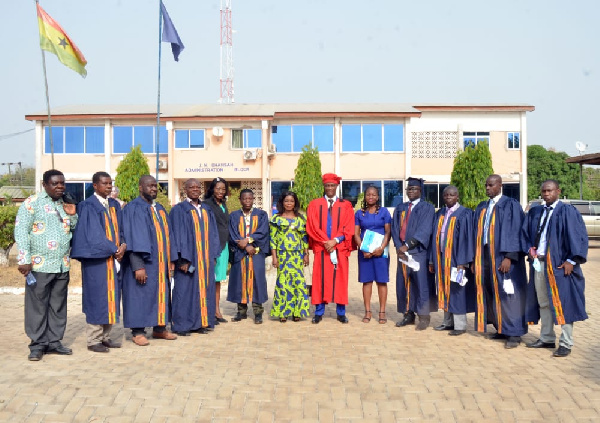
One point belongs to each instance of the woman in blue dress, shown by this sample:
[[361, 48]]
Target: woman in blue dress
[[374, 265]]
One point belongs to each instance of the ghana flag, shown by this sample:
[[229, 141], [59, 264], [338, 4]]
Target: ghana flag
[[55, 40]]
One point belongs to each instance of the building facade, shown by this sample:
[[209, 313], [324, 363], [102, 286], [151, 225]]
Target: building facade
[[257, 146]]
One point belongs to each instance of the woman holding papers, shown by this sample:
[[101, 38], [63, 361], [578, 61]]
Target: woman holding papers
[[289, 249], [372, 235]]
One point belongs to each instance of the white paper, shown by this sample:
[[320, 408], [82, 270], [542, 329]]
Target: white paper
[[411, 262], [536, 265], [117, 266], [508, 286], [454, 273], [333, 257]]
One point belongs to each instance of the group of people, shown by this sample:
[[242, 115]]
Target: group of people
[[456, 260]]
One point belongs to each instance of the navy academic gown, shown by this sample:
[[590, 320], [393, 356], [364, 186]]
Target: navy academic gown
[[458, 251], [567, 239], [95, 241], [242, 285], [195, 240], [505, 241], [415, 291], [148, 304]]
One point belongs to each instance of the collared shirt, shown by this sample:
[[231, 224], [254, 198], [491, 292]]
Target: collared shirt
[[43, 233], [337, 239], [543, 245], [103, 201], [445, 224], [197, 207], [488, 215]]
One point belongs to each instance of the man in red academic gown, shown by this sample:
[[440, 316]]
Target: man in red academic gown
[[330, 226]]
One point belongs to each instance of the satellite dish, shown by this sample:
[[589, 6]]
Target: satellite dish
[[580, 146]]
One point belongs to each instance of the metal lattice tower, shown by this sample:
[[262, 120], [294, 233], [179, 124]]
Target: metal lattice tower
[[226, 73]]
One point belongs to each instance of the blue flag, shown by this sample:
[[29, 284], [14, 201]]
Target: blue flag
[[170, 34]]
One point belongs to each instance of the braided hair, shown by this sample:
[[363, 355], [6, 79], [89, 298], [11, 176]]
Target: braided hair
[[364, 205]]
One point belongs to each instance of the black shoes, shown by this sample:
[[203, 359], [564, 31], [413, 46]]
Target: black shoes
[[109, 343], [258, 319], [409, 319], [456, 332], [221, 319], [443, 327], [183, 333], [35, 355], [317, 319], [99, 348], [423, 322], [540, 344], [497, 336], [342, 318], [202, 331], [60, 350], [562, 352], [512, 342], [239, 317]]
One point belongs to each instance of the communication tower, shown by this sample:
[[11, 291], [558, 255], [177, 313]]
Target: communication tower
[[226, 73]]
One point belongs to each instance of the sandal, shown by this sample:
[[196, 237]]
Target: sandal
[[283, 319], [384, 320], [296, 318], [367, 319]]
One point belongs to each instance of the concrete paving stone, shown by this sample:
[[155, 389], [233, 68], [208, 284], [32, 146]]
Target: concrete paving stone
[[84, 414]]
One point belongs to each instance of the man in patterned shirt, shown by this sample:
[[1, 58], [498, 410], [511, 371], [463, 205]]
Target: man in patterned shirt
[[43, 234]]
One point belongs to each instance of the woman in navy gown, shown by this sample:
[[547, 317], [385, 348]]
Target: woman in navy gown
[[374, 265]]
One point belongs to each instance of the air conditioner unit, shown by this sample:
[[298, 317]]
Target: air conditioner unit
[[272, 149], [250, 154], [163, 164], [217, 131]]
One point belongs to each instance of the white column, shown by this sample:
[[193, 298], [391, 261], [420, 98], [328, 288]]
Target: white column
[[337, 146], [523, 179], [39, 150], [407, 147], [266, 189], [107, 148], [171, 186]]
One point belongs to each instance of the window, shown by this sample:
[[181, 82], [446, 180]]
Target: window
[[391, 195], [189, 138], [292, 138], [246, 138], [434, 194], [75, 139], [471, 139], [79, 190], [372, 137], [514, 140], [126, 137], [512, 190], [277, 189]]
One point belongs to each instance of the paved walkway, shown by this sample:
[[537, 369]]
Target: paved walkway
[[299, 372]]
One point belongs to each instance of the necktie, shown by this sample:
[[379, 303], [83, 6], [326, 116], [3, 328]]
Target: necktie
[[538, 236], [330, 204], [405, 223], [105, 204], [486, 227]]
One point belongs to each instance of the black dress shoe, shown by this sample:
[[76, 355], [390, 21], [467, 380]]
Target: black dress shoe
[[202, 331], [342, 318], [497, 336], [239, 317], [60, 350], [183, 333], [221, 319], [317, 319], [562, 352], [540, 344], [35, 355], [456, 332], [512, 342], [99, 348], [258, 319], [109, 343], [409, 319], [443, 327]]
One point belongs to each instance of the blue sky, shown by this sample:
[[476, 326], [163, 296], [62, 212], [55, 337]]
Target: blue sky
[[540, 52]]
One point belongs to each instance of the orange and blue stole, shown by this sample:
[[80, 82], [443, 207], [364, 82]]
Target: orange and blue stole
[[111, 227], [246, 263], [202, 259], [164, 258], [443, 272]]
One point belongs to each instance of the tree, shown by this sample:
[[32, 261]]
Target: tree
[[545, 164], [307, 176], [8, 214], [471, 168], [233, 199], [132, 167], [24, 177]]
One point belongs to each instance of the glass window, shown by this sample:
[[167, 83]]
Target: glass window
[[351, 138], [77, 190], [595, 208], [57, 139], [163, 140], [277, 189], [393, 193], [252, 138], [301, 136], [514, 140], [582, 206], [431, 194], [74, 139], [237, 138], [94, 139], [197, 138], [122, 139], [470, 139], [350, 191], [512, 191], [182, 138], [366, 184], [282, 138], [372, 138], [323, 138], [189, 138], [144, 137], [393, 137]]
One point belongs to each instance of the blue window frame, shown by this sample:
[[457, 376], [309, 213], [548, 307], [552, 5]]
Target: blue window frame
[[471, 139], [246, 138], [372, 137], [125, 137], [75, 139], [390, 196], [189, 138], [514, 140], [292, 138]]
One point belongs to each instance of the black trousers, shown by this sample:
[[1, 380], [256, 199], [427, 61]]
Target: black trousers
[[46, 310]]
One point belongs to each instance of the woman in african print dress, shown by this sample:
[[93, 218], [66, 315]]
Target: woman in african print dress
[[289, 249]]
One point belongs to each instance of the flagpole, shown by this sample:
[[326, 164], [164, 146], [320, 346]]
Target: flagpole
[[158, 97], [47, 99]]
